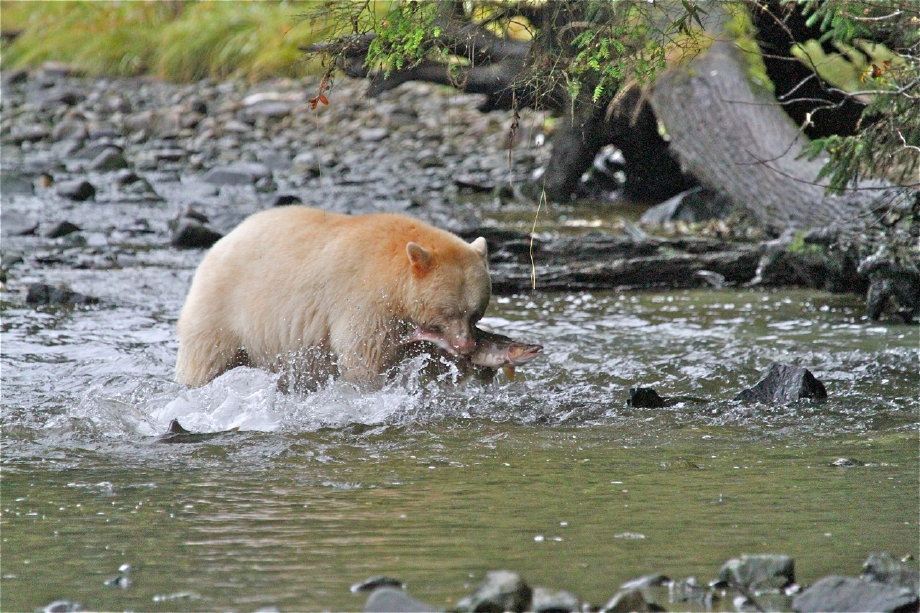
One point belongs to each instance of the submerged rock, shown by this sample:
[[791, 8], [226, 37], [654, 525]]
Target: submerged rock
[[392, 600], [501, 590], [885, 568], [373, 583], [554, 601], [844, 594], [784, 383], [758, 572], [644, 398], [629, 600], [42, 293]]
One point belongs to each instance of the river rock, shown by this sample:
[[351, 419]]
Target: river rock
[[644, 398], [14, 183], [42, 293], [62, 96], [191, 233], [758, 572], [62, 228], [286, 200], [885, 568], [62, 606], [78, 190], [110, 159], [69, 129], [28, 134], [392, 600], [784, 383], [844, 594], [694, 205], [626, 601], [372, 583], [545, 600], [891, 281], [241, 173], [500, 591]]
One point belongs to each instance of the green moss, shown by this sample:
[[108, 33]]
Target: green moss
[[740, 28], [800, 247]]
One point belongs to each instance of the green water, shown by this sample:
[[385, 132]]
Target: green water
[[551, 475]]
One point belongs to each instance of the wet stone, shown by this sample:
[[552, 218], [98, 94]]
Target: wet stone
[[885, 568], [629, 600], [501, 590], [784, 383], [843, 594], [62, 228], [286, 200], [110, 159], [69, 129], [554, 601], [192, 234], [757, 572], [62, 606], [76, 190], [644, 398], [28, 134], [42, 293], [60, 97], [373, 135], [372, 583], [241, 173], [393, 600]]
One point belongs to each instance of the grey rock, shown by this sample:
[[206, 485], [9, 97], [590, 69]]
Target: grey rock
[[393, 600], [14, 183], [13, 223], [62, 228], [286, 200], [373, 135], [843, 594], [758, 572], [646, 582], [76, 190], [69, 129], [694, 205], [271, 109], [110, 159], [885, 568], [28, 134], [846, 462], [783, 383], [42, 293], [62, 606], [551, 601], [629, 600], [372, 583], [192, 234], [60, 97], [94, 149], [241, 173], [500, 591], [644, 398]]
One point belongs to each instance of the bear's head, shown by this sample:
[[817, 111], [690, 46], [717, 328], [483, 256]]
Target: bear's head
[[449, 291]]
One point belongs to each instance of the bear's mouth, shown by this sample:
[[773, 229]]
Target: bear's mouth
[[428, 336]]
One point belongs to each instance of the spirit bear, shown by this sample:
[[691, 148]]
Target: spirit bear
[[314, 294]]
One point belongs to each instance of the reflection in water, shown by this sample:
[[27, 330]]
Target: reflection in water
[[551, 475]]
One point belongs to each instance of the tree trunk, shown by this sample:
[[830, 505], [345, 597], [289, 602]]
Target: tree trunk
[[735, 138]]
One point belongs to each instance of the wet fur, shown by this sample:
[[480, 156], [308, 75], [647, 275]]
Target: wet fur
[[316, 293]]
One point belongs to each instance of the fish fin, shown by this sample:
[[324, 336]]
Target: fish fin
[[509, 372]]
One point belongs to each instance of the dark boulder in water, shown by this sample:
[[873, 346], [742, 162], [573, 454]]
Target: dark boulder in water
[[42, 293], [645, 398], [392, 600], [836, 593], [784, 383]]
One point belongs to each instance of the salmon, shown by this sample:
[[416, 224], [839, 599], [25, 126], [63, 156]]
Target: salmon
[[492, 350]]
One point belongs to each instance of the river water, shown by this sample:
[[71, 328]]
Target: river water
[[550, 475]]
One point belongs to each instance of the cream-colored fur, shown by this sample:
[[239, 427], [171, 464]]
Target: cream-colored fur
[[320, 293]]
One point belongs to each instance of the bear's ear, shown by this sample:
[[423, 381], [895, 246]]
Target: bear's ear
[[479, 246], [420, 259]]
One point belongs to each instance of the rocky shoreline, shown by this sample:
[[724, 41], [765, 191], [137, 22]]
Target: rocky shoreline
[[108, 173], [747, 583]]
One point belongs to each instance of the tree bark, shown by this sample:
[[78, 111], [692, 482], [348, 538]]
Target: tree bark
[[735, 138]]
